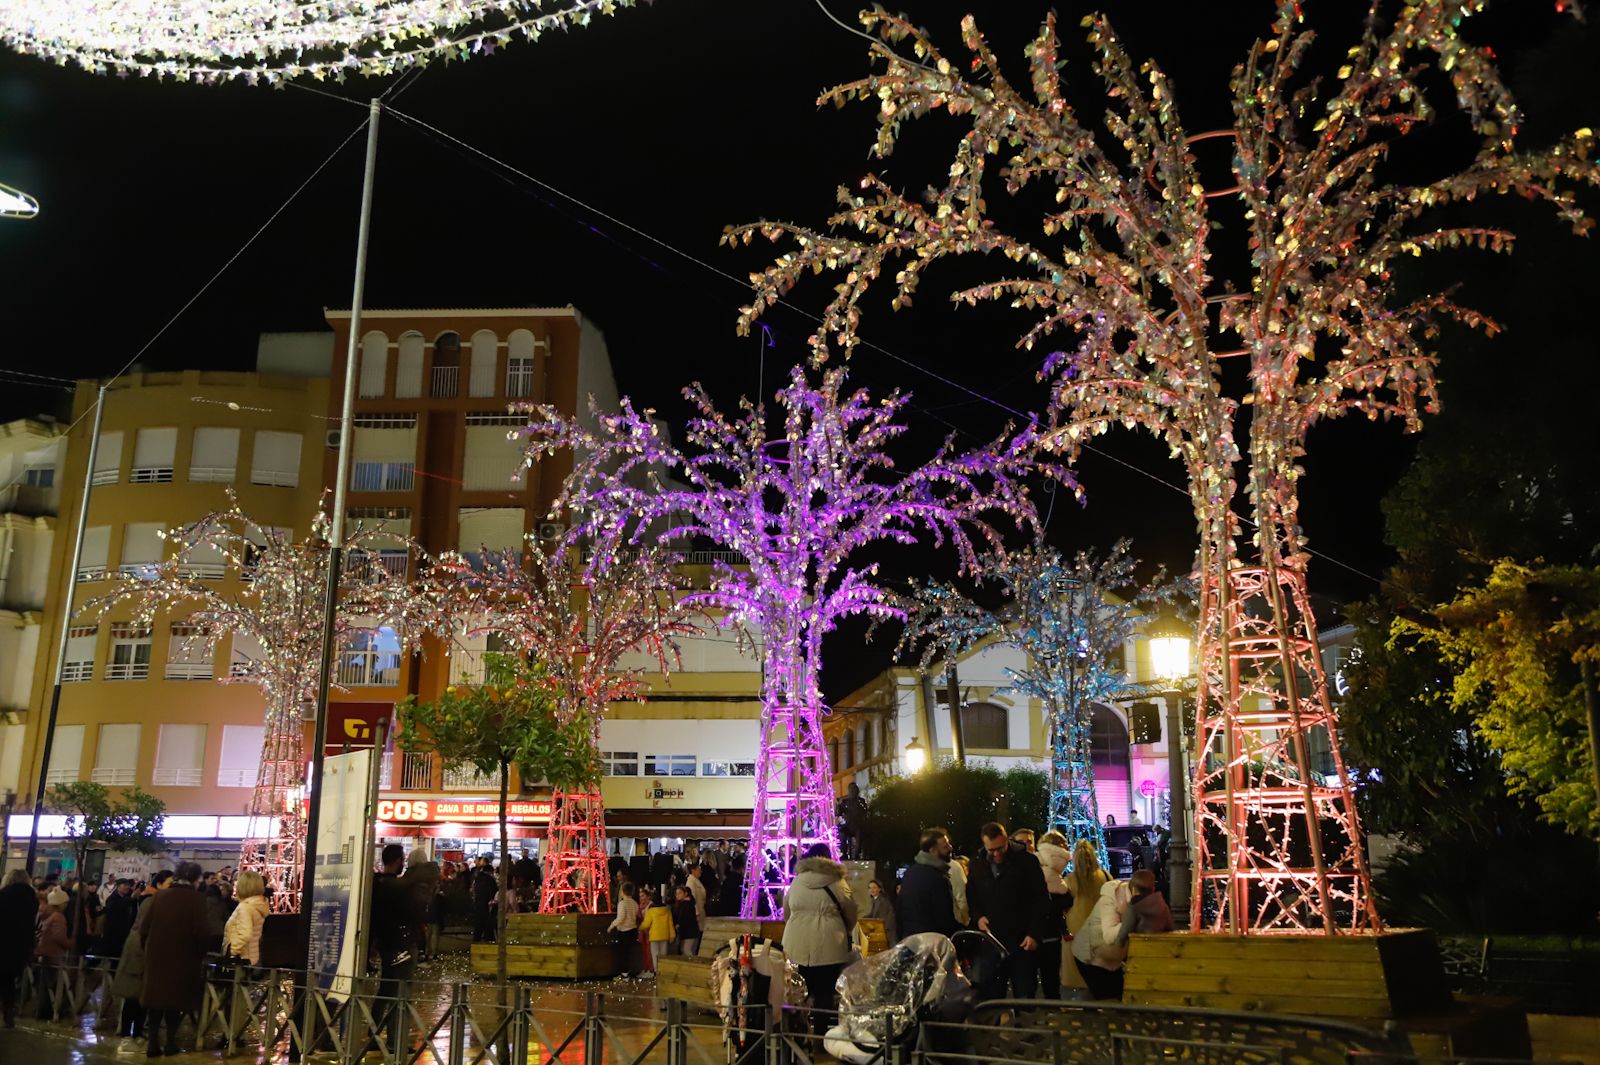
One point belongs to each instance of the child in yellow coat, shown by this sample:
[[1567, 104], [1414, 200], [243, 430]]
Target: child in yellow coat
[[656, 926]]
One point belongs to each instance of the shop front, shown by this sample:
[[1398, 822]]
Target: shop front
[[457, 828]]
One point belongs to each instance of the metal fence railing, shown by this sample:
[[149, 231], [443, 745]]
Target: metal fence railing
[[270, 1016]]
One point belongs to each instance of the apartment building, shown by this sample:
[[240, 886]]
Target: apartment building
[[432, 460], [140, 705], [31, 452]]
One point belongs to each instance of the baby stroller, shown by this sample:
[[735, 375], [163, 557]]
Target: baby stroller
[[882, 998]]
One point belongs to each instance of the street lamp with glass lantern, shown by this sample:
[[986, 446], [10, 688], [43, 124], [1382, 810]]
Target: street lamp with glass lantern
[[1170, 661], [916, 757]]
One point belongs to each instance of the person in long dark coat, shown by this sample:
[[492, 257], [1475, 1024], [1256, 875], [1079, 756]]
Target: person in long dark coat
[[19, 910], [174, 933]]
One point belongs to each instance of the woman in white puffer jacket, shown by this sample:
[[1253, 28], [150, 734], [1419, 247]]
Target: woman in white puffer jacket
[[1053, 856], [1101, 944]]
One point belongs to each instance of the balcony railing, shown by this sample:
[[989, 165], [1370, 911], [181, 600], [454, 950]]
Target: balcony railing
[[105, 476], [72, 672], [467, 778], [707, 558], [170, 777], [416, 771], [383, 476], [236, 778], [189, 671], [150, 475], [211, 474], [61, 776], [369, 669], [446, 382], [29, 500], [127, 670], [364, 565], [206, 571], [114, 777], [91, 573], [275, 478]]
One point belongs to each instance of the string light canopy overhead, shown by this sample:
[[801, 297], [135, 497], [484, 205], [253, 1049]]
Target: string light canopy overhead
[[273, 41]]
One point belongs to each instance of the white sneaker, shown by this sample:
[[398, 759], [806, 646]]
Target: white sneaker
[[130, 1047]]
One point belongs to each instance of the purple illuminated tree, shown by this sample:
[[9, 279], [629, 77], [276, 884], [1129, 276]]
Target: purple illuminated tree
[[799, 504]]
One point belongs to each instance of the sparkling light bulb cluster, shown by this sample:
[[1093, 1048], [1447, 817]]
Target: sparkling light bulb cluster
[[275, 40], [1070, 619], [797, 505], [229, 575], [1116, 278]]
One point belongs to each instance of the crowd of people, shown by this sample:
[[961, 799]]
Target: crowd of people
[[158, 934], [1032, 896]]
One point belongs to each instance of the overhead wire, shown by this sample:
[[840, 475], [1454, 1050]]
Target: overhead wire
[[944, 379]]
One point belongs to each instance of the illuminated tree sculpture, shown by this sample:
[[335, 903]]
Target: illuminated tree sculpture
[[1071, 620], [593, 632], [232, 576], [1320, 327], [798, 506]]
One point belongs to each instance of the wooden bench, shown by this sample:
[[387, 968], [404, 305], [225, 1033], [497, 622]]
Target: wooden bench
[[571, 946]]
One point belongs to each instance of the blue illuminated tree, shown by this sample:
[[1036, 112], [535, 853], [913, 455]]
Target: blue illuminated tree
[[1070, 619]]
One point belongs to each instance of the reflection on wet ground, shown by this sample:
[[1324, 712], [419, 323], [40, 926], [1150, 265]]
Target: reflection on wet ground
[[633, 1017]]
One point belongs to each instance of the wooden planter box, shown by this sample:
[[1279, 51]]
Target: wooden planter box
[[688, 978], [572, 946], [1389, 975]]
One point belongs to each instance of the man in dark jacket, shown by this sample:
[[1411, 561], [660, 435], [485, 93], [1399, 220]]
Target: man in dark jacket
[[174, 935], [484, 887], [1007, 897], [19, 909], [396, 912], [121, 909], [925, 903]]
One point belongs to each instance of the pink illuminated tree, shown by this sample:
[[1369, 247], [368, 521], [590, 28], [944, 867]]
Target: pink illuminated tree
[[594, 633], [1117, 275], [231, 576], [799, 504]]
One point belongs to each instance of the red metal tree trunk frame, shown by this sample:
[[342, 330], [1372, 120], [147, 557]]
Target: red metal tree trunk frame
[[275, 835], [1278, 845], [575, 877]]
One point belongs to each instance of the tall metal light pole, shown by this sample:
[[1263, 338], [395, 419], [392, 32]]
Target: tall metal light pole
[[66, 628], [341, 486], [1169, 658]]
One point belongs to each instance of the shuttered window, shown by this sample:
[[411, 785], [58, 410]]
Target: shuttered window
[[180, 756], [242, 747], [189, 655], [141, 548], [108, 458], [408, 367], [215, 457], [277, 459], [485, 356], [78, 665], [493, 461], [116, 756], [66, 754], [96, 553], [154, 451], [492, 528], [374, 365]]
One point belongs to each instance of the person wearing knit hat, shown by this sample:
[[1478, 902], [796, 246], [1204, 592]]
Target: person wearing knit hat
[[51, 944]]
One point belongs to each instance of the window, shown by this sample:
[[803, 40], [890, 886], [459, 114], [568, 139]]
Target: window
[[366, 565], [489, 528], [130, 653], [620, 763], [277, 459], [727, 769], [153, 452], [983, 726], [245, 654], [866, 742], [669, 765], [241, 755], [215, 456], [96, 552], [446, 380], [519, 365], [849, 750], [142, 544], [116, 756], [833, 753], [180, 756], [382, 476], [374, 365], [78, 665], [39, 476], [66, 753], [493, 461], [408, 367], [108, 458], [203, 560], [485, 353], [190, 656], [370, 658]]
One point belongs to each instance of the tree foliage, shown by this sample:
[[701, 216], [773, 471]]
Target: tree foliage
[[130, 821], [959, 797]]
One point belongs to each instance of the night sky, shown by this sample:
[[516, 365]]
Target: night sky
[[677, 119]]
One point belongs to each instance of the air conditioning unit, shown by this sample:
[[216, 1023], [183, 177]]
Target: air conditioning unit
[[333, 439], [551, 531]]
